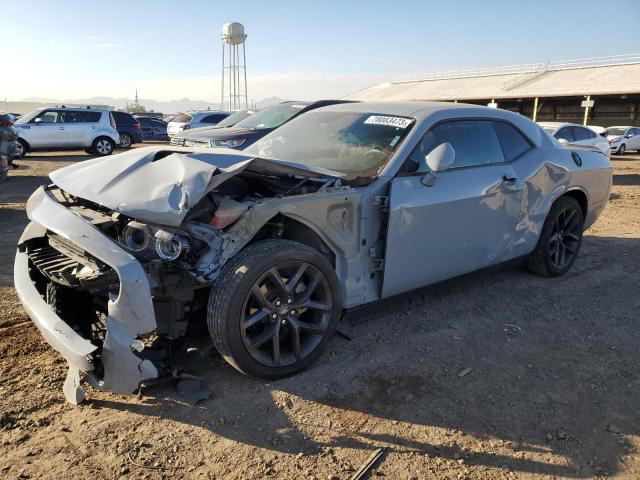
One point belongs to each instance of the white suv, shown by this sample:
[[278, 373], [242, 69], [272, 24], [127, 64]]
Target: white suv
[[185, 121], [60, 128]]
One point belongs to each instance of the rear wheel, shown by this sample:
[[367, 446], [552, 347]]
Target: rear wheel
[[274, 308], [103, 146], [125, 140], [559, 240]]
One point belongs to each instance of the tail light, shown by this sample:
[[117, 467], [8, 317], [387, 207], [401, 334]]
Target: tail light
[[112, 121], [137, 126]]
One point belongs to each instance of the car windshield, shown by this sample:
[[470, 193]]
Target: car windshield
[[271, 117], [29, 116], [354, 143], [616, 131], [235, 118]]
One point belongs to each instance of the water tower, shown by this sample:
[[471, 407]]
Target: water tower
[[234, 71]]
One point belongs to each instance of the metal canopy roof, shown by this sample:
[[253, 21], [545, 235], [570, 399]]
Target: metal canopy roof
[[619, 74]]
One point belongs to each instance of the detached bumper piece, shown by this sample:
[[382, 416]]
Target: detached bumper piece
[[60, 249]]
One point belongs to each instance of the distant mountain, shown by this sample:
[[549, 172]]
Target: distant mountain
[[170, 106]]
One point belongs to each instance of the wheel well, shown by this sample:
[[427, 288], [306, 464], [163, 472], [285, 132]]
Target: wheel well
[[105, 137], [288, 228], [581, 198], [26, 144]]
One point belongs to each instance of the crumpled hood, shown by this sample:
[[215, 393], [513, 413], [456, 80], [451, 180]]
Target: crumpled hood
[[223, 133], [152, 186]]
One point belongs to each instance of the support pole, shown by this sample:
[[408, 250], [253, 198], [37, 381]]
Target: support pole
[[586, 111], [535, 109], [222, 81], [244, 66]]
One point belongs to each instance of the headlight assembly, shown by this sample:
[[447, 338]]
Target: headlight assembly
[[136, 236], [233, 143], [146, 241], [170, 246]]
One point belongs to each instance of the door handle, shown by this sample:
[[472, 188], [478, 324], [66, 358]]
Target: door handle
[[61, 128]]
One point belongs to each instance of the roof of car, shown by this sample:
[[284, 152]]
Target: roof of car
[[622, 126], [415, 108], [560, 124]]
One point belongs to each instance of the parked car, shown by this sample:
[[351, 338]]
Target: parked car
[[60, 128], [573, 134], [342, 206], [185, 121], [230, 121], [128, 127], [153, 128], [8, 143], [622, 139], [251, 129]]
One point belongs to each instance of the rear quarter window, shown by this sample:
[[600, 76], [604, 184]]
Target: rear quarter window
[[123, 118], [513, 142]]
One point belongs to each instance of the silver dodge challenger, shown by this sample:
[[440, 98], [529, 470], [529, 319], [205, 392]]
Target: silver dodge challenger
[[343, 206]]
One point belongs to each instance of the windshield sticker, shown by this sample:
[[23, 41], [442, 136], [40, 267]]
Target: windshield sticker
[[390, 121], [394, 141], [298, 106]]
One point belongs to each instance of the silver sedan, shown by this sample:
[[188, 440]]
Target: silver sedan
[[342, 206]]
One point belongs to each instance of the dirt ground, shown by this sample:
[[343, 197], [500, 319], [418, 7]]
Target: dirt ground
[[553, 392]]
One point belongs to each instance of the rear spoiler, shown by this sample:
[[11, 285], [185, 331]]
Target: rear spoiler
[[583, 148]]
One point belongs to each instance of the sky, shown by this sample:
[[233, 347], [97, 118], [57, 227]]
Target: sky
[[303, 49]]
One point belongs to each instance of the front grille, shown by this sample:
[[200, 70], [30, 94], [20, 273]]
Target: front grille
[[54, 265], [65, 263]]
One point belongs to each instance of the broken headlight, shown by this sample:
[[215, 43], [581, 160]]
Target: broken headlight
[[147, 241], [170, 246]]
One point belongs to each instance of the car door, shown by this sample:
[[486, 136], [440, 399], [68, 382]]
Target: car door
[[48, 130], [159, 129], [146, 126], [634, 140], [467, 218], [81, 126]]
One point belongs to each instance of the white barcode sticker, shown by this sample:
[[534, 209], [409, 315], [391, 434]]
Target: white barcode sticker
[[390, 121]]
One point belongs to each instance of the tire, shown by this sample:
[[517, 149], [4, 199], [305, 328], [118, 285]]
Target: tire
[[562, 232], [238, 318], [126, 140], [22, 149], [103, 146], [621, 150]]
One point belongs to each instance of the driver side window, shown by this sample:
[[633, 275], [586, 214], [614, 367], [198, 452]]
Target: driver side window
[[475, 143], [49, 116]]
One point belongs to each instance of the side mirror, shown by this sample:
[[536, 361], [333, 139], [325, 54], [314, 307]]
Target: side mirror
[[441, 158], [628, 135], [38, 120], [563, 141]]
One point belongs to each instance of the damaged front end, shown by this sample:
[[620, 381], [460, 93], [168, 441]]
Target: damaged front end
[[110, 283]]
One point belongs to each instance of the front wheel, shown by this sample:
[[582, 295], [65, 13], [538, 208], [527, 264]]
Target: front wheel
[[274, 308], [103, 146], [621, 150], [21, 149], [559, 240]]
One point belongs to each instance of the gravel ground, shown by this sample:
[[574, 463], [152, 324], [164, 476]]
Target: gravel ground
[[553, 389]]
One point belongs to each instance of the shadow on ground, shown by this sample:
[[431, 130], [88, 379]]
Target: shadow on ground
[[554, 373]]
